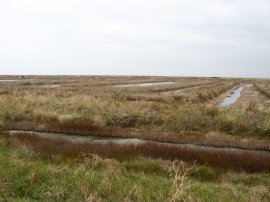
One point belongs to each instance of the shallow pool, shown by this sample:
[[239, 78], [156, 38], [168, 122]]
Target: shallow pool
[[232, 98]]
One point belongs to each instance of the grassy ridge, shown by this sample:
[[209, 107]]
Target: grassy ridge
[[264, 89]]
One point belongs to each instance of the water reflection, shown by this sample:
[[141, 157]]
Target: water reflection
[[232, 98]]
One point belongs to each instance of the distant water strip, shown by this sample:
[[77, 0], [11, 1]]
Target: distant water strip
[[144, 84], [232, 98]]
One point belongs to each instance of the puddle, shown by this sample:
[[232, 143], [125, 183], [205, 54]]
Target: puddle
[[78, 138], [144, 84], [14, 80], [232, 98], [135, 141], [9, 80]]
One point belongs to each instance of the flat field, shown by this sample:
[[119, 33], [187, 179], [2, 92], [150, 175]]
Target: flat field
[[127, 138]]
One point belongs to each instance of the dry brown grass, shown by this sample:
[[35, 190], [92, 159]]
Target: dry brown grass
[[263, 87], [181, 184]]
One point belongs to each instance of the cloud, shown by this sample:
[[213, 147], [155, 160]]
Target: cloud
[[120, 35]]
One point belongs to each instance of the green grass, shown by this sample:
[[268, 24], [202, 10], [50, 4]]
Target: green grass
[[25, 176]]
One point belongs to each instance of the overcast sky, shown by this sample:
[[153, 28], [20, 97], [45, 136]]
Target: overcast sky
[[136, 37]]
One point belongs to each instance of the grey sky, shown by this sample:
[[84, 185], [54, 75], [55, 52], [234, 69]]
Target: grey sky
[[135, 37]]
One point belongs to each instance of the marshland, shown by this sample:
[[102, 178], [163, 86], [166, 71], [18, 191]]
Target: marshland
[[134, 138]]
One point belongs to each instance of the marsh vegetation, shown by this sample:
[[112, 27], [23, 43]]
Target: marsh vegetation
[[176, 110]]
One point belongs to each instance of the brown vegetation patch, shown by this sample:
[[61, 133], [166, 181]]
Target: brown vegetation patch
[[46, 146]]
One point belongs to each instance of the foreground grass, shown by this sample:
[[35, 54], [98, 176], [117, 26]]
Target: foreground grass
[[26, 176]]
